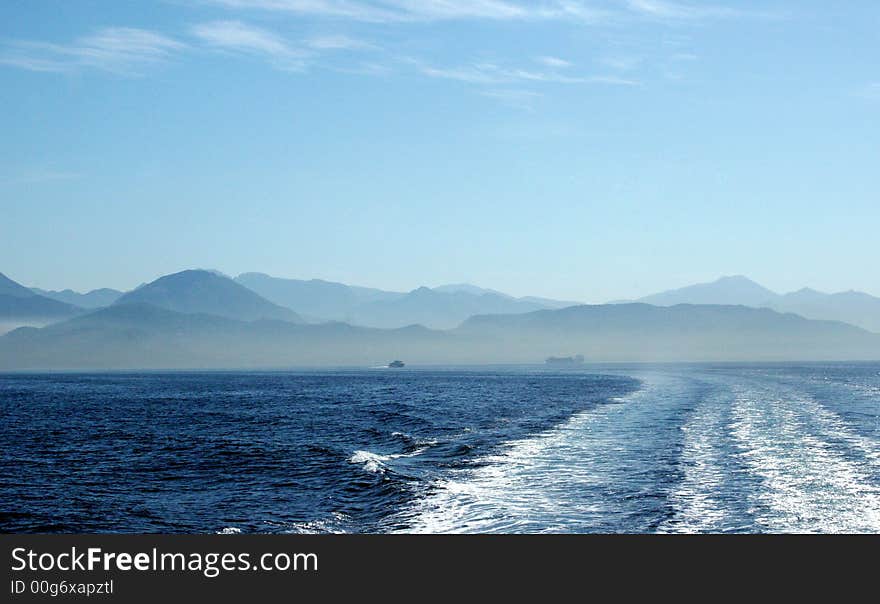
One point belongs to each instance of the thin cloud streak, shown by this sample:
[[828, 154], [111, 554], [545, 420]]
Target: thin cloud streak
[[384, 11], [325, 8], [680, 11], [235, 35], [492, 74], [338, 42], [120, 50], [389, 11], [554, 62], [239, 37]]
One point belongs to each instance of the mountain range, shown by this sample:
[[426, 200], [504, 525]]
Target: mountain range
[[852, 307], [684, 332], [144, 336], [203, 319], [21, 306], [95, 298], [442, 307], [737, 290]]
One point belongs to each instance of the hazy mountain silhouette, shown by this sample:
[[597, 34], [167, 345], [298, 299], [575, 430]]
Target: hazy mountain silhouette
[[479, 291], [643, 332], [315, 297], [207, 292], [143, 336], [549, 302], [852, 307], [468, 288], [20, 306], [202, 319], [439, 308], [436, 309], [726, 290], [137, 335], [8, 287], [96, 298]]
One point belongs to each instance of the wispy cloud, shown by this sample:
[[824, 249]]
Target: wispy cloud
[[328, 8], [126, 50], [507, 10], [493, 74], [425, 10], [238, 37], [121, 50], [489, 73], [690, 11], [553, 62], [367, 68], [338, 42]]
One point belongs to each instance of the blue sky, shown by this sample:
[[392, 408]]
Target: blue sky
[[588, 150]]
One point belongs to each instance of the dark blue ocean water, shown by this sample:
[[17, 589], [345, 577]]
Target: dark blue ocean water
[[757, 448]]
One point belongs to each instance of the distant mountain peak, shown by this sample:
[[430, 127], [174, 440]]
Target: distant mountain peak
[[805, 293], [730, 289], [12, 288], [207, 292], [95, 298], [190, 273], [215, 271], [856, 308], [736, 279], [468, 288], [19, 305]]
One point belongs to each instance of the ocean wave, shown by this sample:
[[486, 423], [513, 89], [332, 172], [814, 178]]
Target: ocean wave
[[372, 462], [414, 441], [377, 463]]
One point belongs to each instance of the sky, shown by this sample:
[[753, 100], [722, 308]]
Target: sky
[[583, 150]]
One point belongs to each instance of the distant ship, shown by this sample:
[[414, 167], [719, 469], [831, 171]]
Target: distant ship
[[396, 364], [566, 361]]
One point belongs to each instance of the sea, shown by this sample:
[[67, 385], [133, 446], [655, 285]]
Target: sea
[[726, 448]]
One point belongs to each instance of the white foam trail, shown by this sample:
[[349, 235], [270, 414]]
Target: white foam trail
[[333, 525], [372, 462], [511, 489], [376, 463], [755, 456], [563, 480], [695, 500], [808, 483]]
